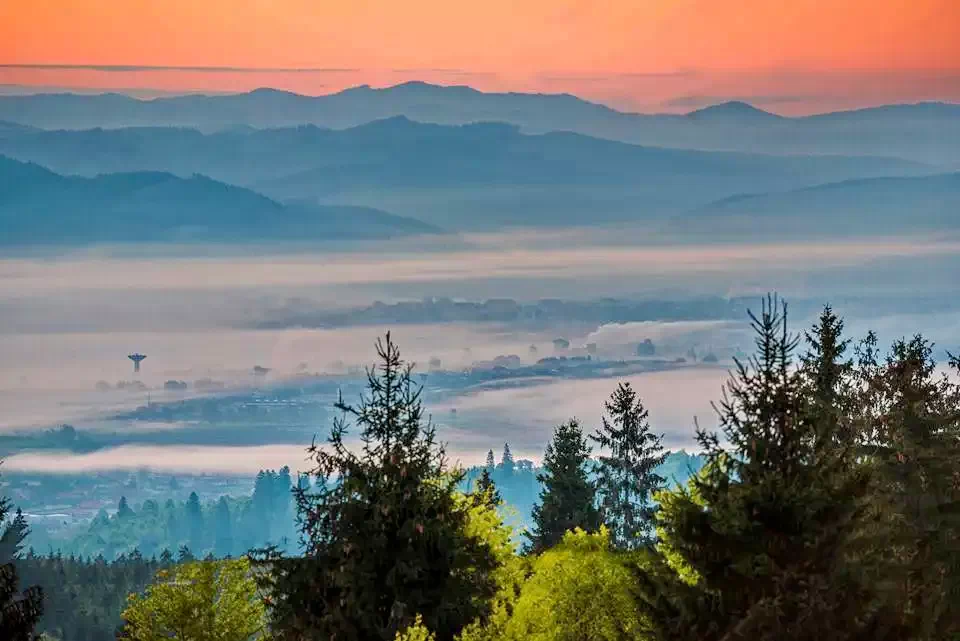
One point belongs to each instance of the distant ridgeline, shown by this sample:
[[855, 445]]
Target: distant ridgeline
[[303, 313], [230, 526]]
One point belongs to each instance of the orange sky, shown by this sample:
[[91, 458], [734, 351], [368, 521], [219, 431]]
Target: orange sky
[[640, 52]]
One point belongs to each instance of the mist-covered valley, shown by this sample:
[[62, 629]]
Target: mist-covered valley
[[497, 313], [249, 257], [527, 253]]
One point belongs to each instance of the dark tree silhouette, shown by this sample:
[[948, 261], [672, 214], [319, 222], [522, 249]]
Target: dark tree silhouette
[[20, 611], [767, 524], [486, 492], [626, 476], [383, 532], [506, 460], [567, 500]]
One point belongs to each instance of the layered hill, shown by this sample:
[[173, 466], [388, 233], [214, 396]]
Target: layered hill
[[479, 176], [867, 207], [926, 132], [40, 207]]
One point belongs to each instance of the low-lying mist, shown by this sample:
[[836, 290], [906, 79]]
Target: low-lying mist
[[67, 323]]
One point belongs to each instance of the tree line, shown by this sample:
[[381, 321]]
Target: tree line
[[827, 508], [228, 526]]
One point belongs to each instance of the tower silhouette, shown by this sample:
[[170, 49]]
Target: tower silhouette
[[136, 358]]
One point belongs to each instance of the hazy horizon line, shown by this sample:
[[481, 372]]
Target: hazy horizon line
[[693, 102]]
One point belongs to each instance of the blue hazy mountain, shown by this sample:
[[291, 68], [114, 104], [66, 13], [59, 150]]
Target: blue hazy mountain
[[873, 206], [734, 111], [927, 132], [39, 207], [12, 129], [482, 175]]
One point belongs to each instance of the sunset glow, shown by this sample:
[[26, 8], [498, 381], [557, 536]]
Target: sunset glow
[[650, 55]]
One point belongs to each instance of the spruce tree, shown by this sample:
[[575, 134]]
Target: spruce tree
[[223, 529], [827, 379], [283, 487], [123, 508], [491, 463], [912, 442], [486, 492], [260, 521], [383, 531], [20, 611], [626, 477], [194, 516], [766, 532], [506, 460], [567, 497]]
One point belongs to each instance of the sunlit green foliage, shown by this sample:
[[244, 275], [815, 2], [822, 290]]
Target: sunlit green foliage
[[579, 590], [827, 509], [198, 601], [416, 632]]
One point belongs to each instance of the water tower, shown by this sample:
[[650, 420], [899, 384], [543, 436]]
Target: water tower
[[136, 358]]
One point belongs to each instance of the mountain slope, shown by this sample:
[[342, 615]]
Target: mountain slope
[[39, 207], [12, 129], [734, 111], [483, 175], [868, 207], [928, 132]]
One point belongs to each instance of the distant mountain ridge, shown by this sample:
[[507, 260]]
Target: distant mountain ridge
[[481, 175], [40, 207], [862, 207], [733, 109], [926, 132]]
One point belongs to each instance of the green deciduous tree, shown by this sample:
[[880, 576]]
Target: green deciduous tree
[[417, 631], [579, 590], [567, 500], [626, 469], [198, 601]]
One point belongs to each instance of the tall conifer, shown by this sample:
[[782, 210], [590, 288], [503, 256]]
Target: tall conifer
[[626, 473], [20, 611], [384, 533], [763, 535], [568, 498]]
